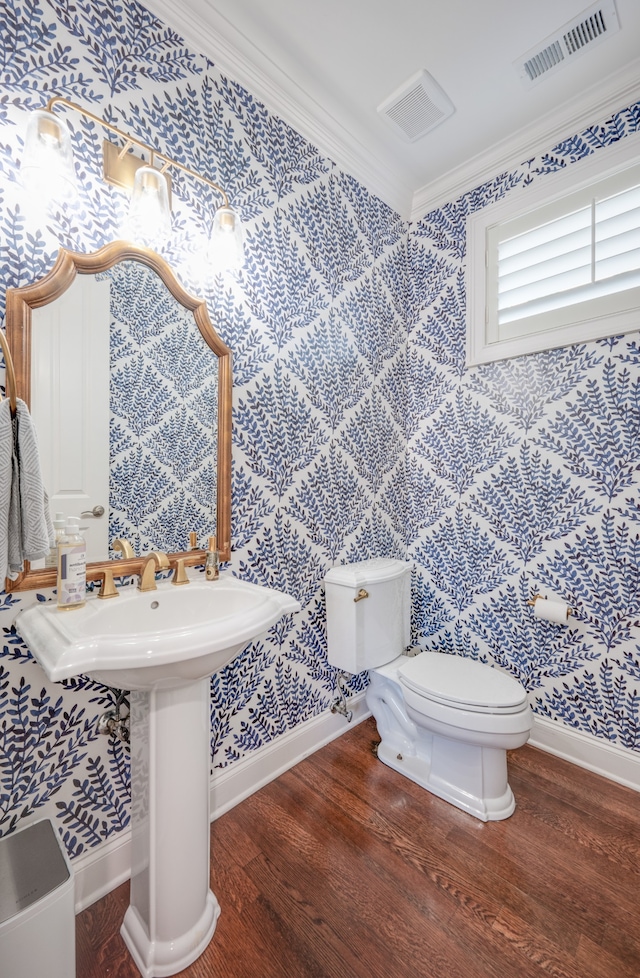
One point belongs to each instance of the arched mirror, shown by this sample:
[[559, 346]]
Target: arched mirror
[[129, 387]]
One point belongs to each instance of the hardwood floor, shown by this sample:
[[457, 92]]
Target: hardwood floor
[[344, 868]]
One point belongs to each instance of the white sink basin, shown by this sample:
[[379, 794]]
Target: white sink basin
[[156, 639]]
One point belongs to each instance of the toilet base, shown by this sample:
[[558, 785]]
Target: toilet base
[[434, 775], [466, 768]]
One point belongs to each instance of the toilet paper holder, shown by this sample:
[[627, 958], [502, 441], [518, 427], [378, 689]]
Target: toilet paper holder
[[540, 597]]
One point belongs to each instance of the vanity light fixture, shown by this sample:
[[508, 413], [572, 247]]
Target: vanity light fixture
[[48, 154]]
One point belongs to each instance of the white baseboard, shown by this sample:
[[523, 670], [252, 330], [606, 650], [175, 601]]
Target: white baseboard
[[100, 870], [609, 760]]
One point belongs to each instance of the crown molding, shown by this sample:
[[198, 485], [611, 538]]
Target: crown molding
[[596, 103], [235, 55]]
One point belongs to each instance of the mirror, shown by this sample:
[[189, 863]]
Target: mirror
[[133, 410]]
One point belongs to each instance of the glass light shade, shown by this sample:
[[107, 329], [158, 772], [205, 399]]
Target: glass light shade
[[47, 172], [149, 221], [226, 250]]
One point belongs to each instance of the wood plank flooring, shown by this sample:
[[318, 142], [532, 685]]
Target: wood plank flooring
[[342, 868]]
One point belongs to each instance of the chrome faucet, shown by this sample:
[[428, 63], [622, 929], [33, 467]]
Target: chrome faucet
[[154, 561]]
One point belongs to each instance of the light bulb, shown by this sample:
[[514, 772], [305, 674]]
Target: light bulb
[[149, 220], [225, 245], [47, 172]]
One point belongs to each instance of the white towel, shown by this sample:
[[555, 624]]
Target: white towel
[[6, 475], [26, 531]]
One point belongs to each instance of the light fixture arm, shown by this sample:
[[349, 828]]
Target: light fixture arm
[[129, 141]]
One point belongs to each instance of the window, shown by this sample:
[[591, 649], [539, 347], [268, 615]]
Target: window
[[558, 266]]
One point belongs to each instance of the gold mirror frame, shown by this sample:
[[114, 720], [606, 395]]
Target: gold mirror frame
[[21, 302]]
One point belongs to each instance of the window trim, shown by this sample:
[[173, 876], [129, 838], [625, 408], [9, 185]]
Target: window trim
[[547, 189]]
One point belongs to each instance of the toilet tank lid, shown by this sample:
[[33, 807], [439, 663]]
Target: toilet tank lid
[[363, 572]]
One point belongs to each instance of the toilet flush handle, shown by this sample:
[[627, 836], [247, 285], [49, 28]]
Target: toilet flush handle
[[361, 594]]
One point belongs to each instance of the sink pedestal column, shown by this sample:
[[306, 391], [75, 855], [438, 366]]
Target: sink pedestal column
[[172, 913]]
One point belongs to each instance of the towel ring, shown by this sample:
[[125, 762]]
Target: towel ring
[[10, 385]]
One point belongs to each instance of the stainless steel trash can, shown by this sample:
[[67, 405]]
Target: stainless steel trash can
[[37, 921]]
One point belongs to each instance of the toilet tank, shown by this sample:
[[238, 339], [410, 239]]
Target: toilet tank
[[366, 633]]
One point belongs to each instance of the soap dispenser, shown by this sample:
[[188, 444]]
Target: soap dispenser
[[211, 567], [58, 529], [72, 567]]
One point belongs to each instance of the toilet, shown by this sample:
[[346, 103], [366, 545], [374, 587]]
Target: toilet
[[446, 722]]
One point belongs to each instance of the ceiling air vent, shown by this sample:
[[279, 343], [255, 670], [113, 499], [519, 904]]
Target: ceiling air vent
[[416, 107], [589, 28]]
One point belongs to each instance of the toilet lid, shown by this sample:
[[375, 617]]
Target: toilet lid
[[462, 683]]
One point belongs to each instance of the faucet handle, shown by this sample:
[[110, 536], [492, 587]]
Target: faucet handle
[[180, 574], [108, 588], [193, 540]]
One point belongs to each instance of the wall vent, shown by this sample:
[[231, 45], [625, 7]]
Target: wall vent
[[592, 26], [416, 107]]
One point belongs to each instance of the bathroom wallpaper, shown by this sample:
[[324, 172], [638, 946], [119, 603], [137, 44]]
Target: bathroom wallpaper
[[316, 323], [356, 429], [524, 479]]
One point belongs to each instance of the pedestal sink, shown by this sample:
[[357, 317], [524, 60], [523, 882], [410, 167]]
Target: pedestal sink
[[163, 645]]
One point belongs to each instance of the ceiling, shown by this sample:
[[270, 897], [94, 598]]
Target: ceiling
[[325, 67]]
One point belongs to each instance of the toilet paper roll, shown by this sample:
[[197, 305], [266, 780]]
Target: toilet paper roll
[[551, 610]]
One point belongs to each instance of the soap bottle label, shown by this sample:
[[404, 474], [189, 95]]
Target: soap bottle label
[[72, 576]]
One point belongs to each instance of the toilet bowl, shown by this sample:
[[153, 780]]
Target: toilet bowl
[[445, 721]]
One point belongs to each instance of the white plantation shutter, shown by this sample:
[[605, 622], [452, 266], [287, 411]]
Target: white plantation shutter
[[542, 268], [617, 237], [576, 259]]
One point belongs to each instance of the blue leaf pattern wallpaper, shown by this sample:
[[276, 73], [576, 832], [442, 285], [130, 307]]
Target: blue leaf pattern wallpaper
[[539, 459], [357, 429]]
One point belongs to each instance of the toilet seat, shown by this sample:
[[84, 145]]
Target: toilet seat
[[462, 684], [458, 694]]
